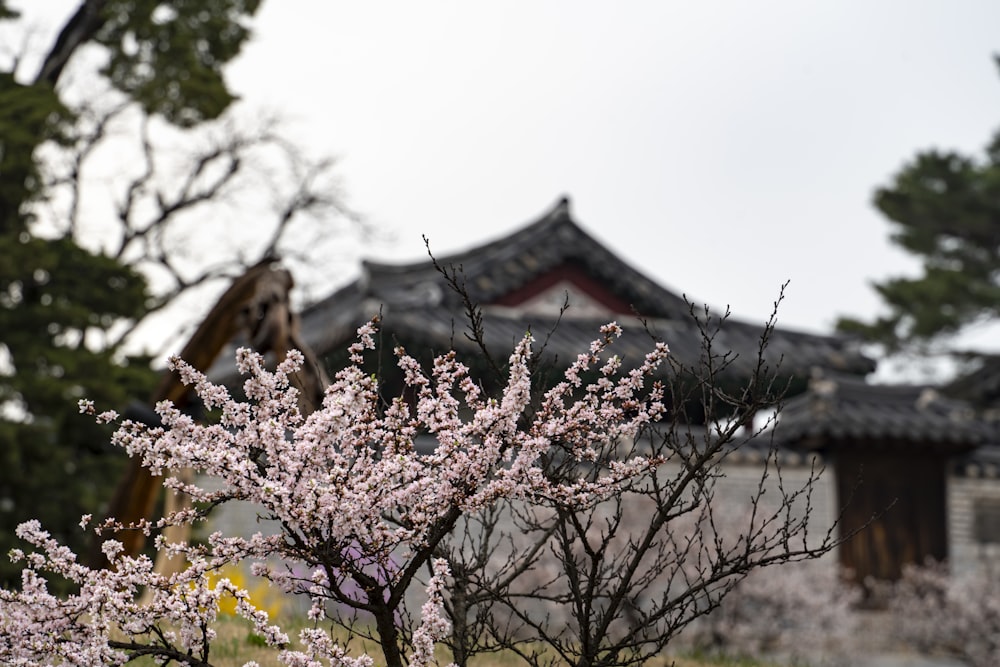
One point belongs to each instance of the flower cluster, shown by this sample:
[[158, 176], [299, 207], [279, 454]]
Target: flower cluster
[[360, 510], [803, 611], [85, 628], [958, 614]]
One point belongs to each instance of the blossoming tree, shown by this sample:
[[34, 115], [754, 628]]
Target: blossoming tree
[[613, 580], [575, 523], [361, 512]]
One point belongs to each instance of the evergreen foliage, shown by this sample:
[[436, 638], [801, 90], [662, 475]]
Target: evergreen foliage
[[59, 301], [29, 115], [56, 302], [945, 210], [168, 55]]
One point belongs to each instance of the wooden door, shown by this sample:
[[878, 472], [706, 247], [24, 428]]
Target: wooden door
[[900, 495]]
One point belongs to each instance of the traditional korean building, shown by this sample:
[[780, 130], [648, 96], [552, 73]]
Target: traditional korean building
[[521, 282], [899, 454], [922, 465]]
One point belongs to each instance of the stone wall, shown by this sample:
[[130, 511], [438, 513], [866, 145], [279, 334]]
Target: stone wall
[[973, 506], [973, 519], [741, 478]]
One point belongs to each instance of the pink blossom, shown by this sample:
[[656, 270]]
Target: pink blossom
[[359, 508]]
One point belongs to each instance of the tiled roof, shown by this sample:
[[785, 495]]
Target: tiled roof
[[839, 410], [498, 268], [982, 462], [981, 386], [417, 306]]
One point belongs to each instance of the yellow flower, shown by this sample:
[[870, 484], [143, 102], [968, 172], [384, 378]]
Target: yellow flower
[[262, 596]]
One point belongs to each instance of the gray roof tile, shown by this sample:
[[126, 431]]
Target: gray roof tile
[[418, 305], [839, 410]]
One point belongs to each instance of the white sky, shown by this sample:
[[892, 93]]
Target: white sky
[[720, 147]]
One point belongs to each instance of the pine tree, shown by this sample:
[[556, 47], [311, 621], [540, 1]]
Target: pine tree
[[945, 210], [59, 301]]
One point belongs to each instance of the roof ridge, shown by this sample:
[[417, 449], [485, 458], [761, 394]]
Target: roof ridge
[[560, 212], [498, 267]]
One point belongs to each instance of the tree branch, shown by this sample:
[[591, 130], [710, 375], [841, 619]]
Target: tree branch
[[77, 31]]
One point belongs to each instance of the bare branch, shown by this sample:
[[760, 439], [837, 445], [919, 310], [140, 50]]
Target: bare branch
[[190, 207], [77, 31], [616, 583]]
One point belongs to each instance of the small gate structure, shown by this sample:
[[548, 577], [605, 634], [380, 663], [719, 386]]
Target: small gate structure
[[890, 447]]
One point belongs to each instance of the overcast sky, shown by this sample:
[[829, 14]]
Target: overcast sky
[[720, 147]]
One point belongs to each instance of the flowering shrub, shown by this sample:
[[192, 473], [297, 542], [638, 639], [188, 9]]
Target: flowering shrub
[[614, 581], [796, 610], [361, 513], [936, 612], [37, 627]]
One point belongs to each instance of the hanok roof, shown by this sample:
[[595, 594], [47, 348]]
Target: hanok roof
[[981, 462], [840, 410], [521, 280], [981, 387]]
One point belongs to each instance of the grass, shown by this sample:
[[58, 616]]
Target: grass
[[718, 662], [236, 644]]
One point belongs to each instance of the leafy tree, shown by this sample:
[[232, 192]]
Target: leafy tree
[[29, 115], [56, 301], [167, 56], [945, 209], [60, 303]]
